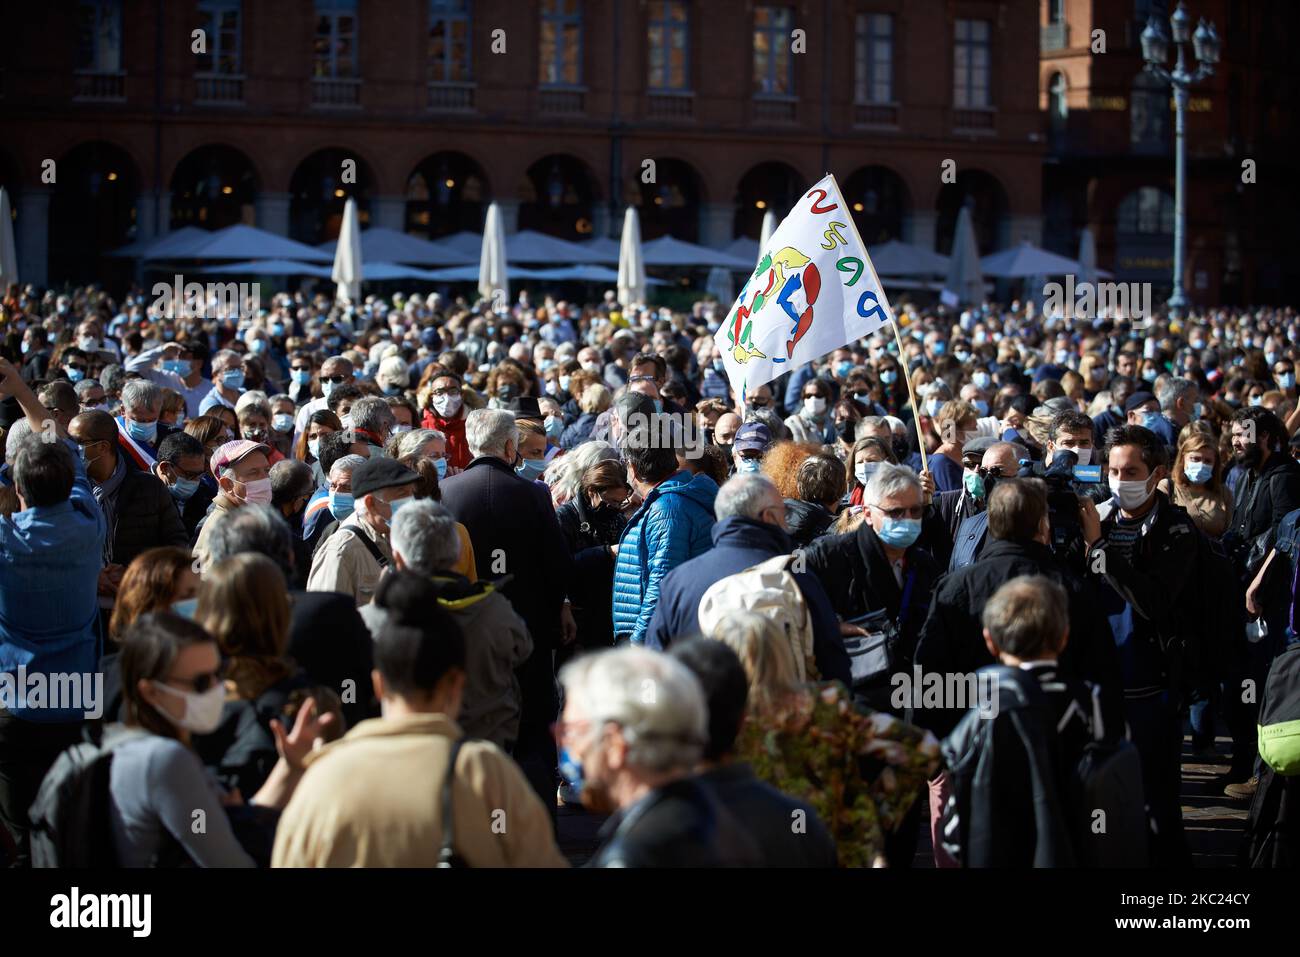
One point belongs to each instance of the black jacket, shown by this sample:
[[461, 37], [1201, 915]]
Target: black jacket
[[807, 520], [681, 824], [1005, 807], [1261, 501], [145, 517], [196, 507], [331, 643], [857, 576], [952, 638], [787, 832], [588, 533], [1148, 599], [513, 528]]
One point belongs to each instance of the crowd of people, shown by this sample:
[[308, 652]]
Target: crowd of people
[[388, 583]]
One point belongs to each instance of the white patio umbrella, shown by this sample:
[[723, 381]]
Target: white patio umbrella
[[8, 255], [1087, 257], [769, 227], [347, 256], [492, 275], [965, 282], [631, 261], [720, 285]]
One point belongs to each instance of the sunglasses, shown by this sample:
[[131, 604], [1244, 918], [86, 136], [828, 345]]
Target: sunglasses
[[915, 511], [335, 379], [200, 683]]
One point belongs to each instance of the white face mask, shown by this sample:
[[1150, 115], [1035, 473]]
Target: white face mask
[[815, 406], [446, 405], [1131, 495], [863, 471], [202, 711], [1085, 455], [258, 492]]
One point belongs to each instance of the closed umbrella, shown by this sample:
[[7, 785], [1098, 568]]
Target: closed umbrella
[[492, 274], [769, 227], [1087, 257], [631, 262], [8, 255], [965, 282], [347, 257]]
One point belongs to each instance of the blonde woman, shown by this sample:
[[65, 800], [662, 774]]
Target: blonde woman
[[861, 770], [1197, 480]]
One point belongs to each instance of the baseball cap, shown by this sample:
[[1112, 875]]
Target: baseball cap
[[752, 435], [379, 473], [230, 453]]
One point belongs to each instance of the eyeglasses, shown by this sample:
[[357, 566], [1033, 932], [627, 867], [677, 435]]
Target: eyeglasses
[[188, 476], [445, 392], [914, 511], [200, 683], [335, 379]]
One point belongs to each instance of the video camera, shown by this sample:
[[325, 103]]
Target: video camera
[[1061, 477]]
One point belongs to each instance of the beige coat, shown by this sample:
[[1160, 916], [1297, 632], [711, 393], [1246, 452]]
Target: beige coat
[[373, 799], [220, 506], [343, 563]]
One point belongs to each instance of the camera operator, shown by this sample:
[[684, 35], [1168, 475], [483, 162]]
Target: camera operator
[[952, 638], [1142, 549]]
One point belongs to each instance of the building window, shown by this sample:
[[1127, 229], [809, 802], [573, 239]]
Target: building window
[[873, 68], [99, 36], [773, 61], [1148, 211], [970, 75], [220, 19], [560, 63], [449, 41], [1056, 11], [668, 36], [336, 39]]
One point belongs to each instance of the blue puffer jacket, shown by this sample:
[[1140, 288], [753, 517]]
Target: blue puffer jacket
[[674, 524]]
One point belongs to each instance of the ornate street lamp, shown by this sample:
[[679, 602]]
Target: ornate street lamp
[[1155, 49]]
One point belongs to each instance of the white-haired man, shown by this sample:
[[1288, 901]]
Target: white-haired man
[[514, 532], [635, 725], [425, 540]]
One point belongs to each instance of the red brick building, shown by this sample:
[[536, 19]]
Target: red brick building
[[551, 108], [1110, 157]]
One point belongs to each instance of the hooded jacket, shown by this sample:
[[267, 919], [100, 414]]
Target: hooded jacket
[[740, 543], [496, 643], [807, 520], [673, 525]]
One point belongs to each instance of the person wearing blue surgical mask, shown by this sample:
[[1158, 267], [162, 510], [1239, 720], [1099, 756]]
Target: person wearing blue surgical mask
[[1284, 376], [533, 448], [1197, 485]]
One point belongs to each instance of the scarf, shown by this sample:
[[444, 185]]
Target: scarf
[[106, 496]]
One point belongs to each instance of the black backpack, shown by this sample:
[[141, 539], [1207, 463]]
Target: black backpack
[[70, 816]]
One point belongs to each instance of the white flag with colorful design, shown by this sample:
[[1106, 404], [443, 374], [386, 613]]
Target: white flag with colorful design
[[814, 290]]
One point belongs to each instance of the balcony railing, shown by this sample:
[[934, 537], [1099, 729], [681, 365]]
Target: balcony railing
[[451, 97], [771, 109], [218, 88], [1054, 36], [670, 105], [875, 114], [563, 102], [974, 120], [336, 93], [99, 87]]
